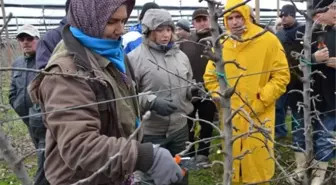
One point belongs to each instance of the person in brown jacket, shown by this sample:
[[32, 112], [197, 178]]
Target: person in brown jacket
[[81, 139]]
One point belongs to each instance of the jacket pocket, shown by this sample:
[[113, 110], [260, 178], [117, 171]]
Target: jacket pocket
[[19, 80]]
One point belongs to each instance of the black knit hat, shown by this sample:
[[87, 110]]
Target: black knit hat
[[288, 10], [322, 3], [146, 7]]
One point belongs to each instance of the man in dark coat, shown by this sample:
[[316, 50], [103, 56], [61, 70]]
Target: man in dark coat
[[47, 44], [205, 109], [19, 99]]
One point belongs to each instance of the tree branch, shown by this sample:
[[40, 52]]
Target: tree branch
[[13, 161]]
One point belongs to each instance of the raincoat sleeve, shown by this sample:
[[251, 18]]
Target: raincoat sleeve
[[210, 79], [279, 76]]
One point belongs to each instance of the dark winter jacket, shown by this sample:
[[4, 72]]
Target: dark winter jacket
[[326, 86], [194, 52], [46, 45], [18, 94], [287, 37]]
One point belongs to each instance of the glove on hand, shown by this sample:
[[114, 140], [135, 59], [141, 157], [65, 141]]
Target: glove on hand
[[163, 106], [164, 170]]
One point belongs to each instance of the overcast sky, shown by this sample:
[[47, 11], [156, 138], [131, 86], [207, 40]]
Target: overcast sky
[[271, 4]]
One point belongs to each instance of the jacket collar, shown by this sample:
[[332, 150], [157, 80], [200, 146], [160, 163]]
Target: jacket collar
[[160, 48], [76, 49], [64, 21], [198, 36], [29, 57]]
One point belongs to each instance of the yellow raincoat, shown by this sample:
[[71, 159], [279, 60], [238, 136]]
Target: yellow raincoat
[[264, 53]]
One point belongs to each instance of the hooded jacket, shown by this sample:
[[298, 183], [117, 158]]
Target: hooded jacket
[[133, 38], [146, 61], [47, 44], [261, 91]]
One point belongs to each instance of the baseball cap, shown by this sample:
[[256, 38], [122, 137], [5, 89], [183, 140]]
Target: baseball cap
[[29, 30], [200, 12], [288, 10]]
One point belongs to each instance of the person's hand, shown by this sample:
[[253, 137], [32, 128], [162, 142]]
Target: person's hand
[[321, 55], [258, 108], [164, 170], [163, 106], [331, 62]]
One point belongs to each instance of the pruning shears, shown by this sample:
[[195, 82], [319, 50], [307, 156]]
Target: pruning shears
[[181, 161]]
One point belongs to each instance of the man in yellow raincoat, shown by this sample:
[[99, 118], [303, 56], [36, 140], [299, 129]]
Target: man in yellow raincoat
[[263, 54]]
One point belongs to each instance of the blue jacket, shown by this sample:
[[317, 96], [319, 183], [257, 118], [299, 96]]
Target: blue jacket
[[18, 94], [46, 45], [133, 38]]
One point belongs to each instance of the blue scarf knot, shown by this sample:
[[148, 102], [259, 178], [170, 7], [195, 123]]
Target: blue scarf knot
[[110, 49]]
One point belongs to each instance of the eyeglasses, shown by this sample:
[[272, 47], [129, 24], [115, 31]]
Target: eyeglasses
[[22, 39]]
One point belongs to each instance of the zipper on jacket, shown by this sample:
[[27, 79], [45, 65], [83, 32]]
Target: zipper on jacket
[[25, 86], [170, 92]]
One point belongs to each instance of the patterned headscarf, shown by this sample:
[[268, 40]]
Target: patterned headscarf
[[91, 16]]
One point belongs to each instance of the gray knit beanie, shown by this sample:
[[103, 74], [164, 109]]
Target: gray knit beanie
[[91, 16], [184, 24]]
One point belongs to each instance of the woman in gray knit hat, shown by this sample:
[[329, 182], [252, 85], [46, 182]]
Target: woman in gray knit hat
[[159, 65], [81, 140]]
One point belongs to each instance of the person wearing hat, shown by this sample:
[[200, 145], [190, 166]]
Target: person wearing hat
[[324, 59], [259, 91], [166, 125], [28, 36], [183, 29], [81, 140], [133, 38], [287, 37], [206, 109], [47, 44]]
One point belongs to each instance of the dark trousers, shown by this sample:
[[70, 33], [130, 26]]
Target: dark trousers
[[206, 111], [37, 135], [175, 143], [281, 110]]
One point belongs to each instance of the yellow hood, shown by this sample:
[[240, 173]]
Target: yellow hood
[[244, 10]]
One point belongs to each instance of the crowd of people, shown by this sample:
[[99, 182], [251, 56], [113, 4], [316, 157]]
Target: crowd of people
[[152, 68]]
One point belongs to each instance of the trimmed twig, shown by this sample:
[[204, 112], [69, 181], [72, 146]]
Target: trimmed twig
[[241, 156], [91, 104], [309, 151], [191, 144], [300, 12], [178, 76], [234, 7], [204, 121], [27, 155]]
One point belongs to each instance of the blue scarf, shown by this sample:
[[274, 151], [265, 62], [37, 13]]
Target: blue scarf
[[110, 49]]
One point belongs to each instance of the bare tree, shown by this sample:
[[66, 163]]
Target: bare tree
[[13, 160]]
